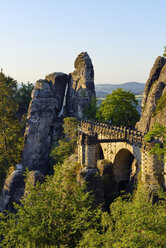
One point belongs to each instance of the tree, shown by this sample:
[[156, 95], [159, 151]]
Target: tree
[[164, 54], [91, 108], [134, 221], [68, 143], [119, 109], [23, 95], [158, 132], [10, 128], [53, 214]]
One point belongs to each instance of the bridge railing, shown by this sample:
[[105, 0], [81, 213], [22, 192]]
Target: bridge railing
[[107, 131]]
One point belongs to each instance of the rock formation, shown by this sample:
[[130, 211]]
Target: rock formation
[[13, 189], [154, 90], [81, 86], [43, 120], [50, 104]]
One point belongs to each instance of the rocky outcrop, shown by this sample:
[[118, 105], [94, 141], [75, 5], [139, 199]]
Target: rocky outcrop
[[154, 90], [13, 189], [43, 121], [50, 104], [154, 76], [81, 86], [93, 181]]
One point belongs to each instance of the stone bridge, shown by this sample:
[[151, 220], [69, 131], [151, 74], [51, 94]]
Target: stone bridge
[[124, 148]]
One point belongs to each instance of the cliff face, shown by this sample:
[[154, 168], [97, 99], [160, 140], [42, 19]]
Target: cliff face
[[153, 94], [50, 104]]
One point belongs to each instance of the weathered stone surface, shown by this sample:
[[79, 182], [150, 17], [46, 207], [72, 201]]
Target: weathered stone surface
[[154, 89], [12, 191], [154, 75], [92, 177], [81, 86], [43, 121], [150, 106]]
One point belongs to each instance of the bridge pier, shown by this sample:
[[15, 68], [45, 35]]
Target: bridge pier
[[152, 167], [87, 150]]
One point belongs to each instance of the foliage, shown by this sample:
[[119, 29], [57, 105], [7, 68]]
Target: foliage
[[158, 132], [61, 152], [23, 94], [10, 128], [164, 54], [67, 145], [53, 214], [70, 128], [90, 110], [119, 109], [132, 222]]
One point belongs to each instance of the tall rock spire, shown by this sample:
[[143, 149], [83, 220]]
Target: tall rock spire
[[81, 86]]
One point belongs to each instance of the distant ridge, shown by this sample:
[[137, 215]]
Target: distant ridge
[[103, 89]]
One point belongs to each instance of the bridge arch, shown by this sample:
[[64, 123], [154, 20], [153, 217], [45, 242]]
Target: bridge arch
[[125, 168]]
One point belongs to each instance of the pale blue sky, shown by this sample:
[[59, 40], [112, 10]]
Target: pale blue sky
[[122, 37]]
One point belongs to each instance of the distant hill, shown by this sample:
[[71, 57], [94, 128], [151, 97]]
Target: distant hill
[[103, 89]]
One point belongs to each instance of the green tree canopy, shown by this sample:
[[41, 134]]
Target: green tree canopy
[[10, 128], [90, 110], [23, 95], [119, 109], [54, 214], [67, 144], [133, 222]]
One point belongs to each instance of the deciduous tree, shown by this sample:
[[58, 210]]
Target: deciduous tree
[[119, 109]]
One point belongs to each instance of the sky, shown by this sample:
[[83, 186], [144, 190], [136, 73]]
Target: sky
[[122, 37]]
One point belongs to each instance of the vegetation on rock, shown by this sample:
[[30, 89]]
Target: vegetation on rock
[[164, 54], [161, 104], [67, 144], [158, 132]]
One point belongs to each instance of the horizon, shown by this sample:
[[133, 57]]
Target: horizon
[[123, 39]]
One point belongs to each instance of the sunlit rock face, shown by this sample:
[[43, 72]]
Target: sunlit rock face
[[81, 86], [154, 90], [58, 96], [153, 76]]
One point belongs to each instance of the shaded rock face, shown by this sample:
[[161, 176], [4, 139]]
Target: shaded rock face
[[15, 187], [81, 86], [12, 191], [43, 121], [49, 105], [154, 89], [92, 177]]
